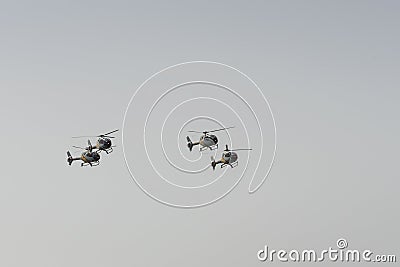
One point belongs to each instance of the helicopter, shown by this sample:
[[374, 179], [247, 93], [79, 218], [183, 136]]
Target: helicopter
[[229, 157], [206, 140], [89, 157], [103, 142]]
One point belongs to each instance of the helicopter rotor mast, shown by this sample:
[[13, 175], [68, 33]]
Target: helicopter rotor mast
[[88, 148]]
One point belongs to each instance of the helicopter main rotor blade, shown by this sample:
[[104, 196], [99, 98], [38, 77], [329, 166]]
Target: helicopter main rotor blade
[[240, 149], [206, 132], [109, 133], [93, 136], [106, 136], [101, 135], [221, 129], [79, 147]]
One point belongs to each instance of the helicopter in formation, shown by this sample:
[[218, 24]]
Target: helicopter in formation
[[91, 155], [229, 157], [103, 142], [207, 140], [88, 157]]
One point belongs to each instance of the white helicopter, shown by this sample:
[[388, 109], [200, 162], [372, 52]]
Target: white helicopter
[[89, 157], [229, 157], [206, 140], [103, 142]]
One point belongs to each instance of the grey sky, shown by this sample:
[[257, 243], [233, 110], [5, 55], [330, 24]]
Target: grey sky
[[328, 68]]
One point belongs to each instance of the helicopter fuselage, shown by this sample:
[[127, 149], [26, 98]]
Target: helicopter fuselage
[[90, 157], [208, 140], [229, 157], [104, 144]]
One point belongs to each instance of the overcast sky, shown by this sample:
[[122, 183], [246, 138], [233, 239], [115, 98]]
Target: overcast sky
[[328, 68]]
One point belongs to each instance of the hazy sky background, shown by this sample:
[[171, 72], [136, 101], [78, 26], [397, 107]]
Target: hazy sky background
[[329, 69]]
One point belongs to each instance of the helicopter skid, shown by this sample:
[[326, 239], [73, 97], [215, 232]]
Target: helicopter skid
[[213, 147], [108, 151], [233, 165], [91, 164]]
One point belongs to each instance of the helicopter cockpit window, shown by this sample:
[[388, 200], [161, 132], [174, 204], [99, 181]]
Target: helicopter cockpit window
[[228, 155]]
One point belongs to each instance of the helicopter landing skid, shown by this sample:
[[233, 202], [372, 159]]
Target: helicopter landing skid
[[213, 147], [233, 165], [108, 151], [94, 164]]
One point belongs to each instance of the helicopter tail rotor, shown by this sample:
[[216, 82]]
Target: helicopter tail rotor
[[190, 143], [69, 159], [90, 147], [213, 163]]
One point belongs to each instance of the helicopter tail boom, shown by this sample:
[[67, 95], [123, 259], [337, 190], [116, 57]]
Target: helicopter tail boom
[[70, 159]]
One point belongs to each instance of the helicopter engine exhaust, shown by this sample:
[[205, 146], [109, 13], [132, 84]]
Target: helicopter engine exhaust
[[189, 144]]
